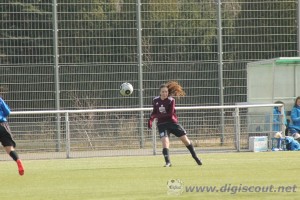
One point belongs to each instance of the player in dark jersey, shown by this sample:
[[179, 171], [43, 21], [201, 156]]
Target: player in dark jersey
[[167, 121], [6, 138]]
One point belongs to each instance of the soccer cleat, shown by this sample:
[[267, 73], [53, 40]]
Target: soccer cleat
[[168, 165], [20, 167], [199, 162]]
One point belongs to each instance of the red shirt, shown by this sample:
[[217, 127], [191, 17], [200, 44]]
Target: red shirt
[[164, 110]]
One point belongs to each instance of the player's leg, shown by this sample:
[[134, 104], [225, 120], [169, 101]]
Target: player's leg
[[279, 143], [166, 144], [10, 150], [191, 148], [180, 132], [9, 145], [164, 137]]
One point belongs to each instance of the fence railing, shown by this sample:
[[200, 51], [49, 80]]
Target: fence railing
[[115, 132]]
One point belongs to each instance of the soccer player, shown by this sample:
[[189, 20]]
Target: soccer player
[[167, 121], [6, 138]]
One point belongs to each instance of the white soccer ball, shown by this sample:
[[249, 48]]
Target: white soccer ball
[[126, 89]]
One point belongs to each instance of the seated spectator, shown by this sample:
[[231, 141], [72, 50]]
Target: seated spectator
[[295, 117], [279, 123], [296, 136], [292, 144]]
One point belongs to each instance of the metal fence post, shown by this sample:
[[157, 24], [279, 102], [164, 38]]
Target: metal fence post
[[140, 66], [220, 63], [68, 145], [56, 73], [298, 27], [236, 116], [154, 137]]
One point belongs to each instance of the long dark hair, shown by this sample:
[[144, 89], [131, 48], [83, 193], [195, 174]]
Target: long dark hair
[[295, 105], [174, 89]]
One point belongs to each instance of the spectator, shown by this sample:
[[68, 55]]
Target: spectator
[[294, 128], [279, 122], [292, 144]]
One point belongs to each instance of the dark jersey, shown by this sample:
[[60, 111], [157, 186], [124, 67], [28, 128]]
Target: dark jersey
[[164, 110]]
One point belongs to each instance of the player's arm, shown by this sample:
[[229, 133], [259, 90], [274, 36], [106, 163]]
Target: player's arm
[[153, 115], [4, 107], [154, 112], [294, 115]]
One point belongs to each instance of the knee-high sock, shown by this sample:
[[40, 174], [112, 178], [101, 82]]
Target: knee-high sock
[[14, 155], [192, 150], [165, 152]]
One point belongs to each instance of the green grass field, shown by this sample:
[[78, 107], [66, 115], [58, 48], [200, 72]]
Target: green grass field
[[143, 177]]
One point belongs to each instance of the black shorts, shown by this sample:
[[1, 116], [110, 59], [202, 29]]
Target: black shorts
[[5, 135], [167, 128]]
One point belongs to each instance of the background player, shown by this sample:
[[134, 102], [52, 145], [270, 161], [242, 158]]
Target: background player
[[6, 138]]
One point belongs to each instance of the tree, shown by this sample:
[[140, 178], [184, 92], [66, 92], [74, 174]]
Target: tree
[[26, 32], [264, 30]]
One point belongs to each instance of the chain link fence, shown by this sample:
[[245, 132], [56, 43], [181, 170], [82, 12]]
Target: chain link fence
[[65, 54], [97, 49]]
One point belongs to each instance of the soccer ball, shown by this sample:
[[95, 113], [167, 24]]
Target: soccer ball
[[126, 89]]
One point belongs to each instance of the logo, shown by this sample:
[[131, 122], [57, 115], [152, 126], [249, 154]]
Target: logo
[[175, 187], [162, 109]]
